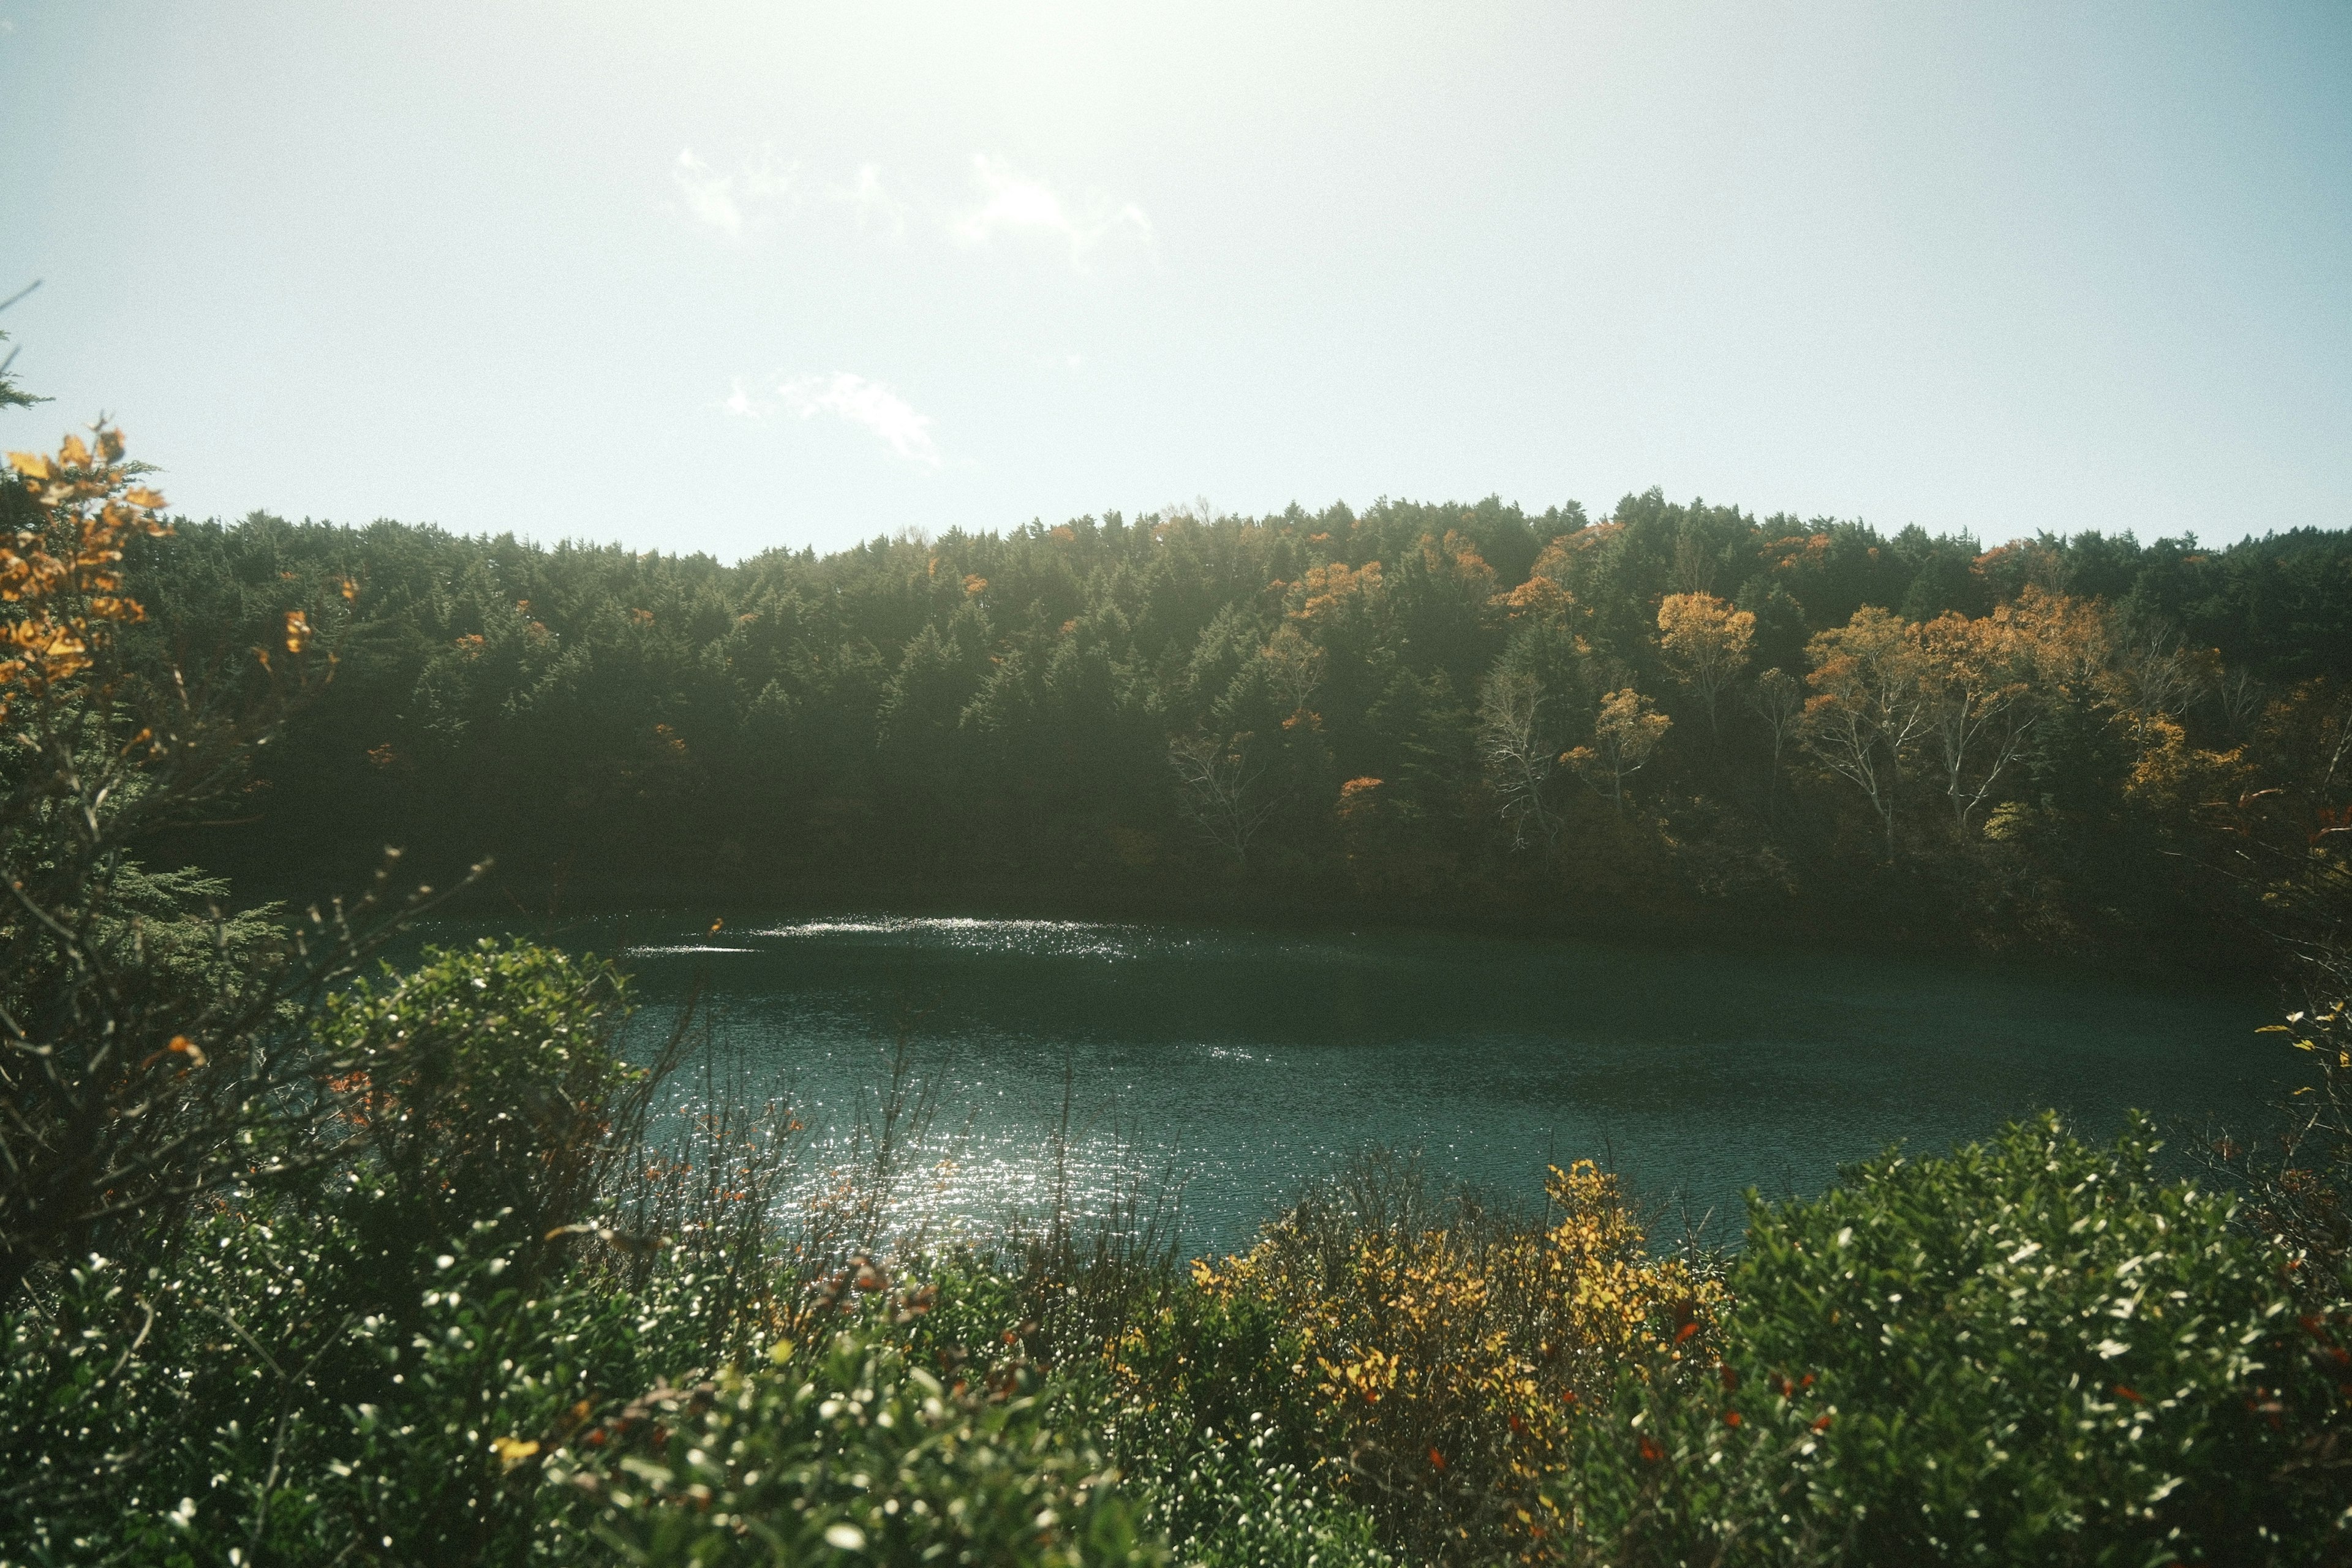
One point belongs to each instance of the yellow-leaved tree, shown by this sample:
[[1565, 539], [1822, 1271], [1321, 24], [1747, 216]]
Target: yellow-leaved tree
[[1872, 703], [1626, 730], [1706, 643]]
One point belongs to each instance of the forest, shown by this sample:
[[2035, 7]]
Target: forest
[[1681, 718], [311, 1257]]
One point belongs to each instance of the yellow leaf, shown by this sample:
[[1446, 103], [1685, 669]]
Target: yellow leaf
[[512, 1451]]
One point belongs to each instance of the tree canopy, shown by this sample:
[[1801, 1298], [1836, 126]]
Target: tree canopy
[[1680, 713]]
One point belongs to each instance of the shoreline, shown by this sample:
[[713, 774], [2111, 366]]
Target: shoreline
[[1253, 909]]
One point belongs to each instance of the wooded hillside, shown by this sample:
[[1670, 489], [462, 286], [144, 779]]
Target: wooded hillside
[[1682, 714]]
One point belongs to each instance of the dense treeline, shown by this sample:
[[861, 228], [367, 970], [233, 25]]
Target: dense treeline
[[1681, 715]]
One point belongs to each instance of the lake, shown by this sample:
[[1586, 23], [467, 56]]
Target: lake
[[1248, 1059]]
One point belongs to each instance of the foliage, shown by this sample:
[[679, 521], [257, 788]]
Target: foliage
[[2032, 1350], [279, 1387], [846, 1449], [1443, 1353], [1626, 732], [65, 572], [1174, 706], [150, 1051], [1706, 643], [1230, 1505], [484, 1083]]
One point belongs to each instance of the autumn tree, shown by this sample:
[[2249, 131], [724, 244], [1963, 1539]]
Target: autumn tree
[[1870, 706], [2160, 675], [2072, 639], [1295, 667], [1519, 754], [1977, 676], [1539, 598], [143, 1056], [1706, 643], [1626, 732]]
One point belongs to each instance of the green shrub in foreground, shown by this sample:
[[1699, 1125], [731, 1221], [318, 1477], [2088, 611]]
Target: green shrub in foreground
[[1224, 1502], [848, 1451], [2031, 1351], [274, 1393], [1198, 1400]]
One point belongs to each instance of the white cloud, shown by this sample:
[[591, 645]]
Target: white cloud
[[867, 404], [742, 405], [1013, 201], [878, 212], [742, 201], [730, 202]]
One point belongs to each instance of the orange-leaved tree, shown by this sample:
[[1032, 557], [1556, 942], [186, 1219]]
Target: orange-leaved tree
[[1705, 644], [146, 1054], [62, 565], [1626, 732]]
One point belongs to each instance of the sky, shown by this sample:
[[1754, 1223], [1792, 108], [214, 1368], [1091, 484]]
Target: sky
[[733, 277]]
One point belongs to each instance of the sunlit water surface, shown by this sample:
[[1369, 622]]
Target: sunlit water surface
[[1242, 1061]]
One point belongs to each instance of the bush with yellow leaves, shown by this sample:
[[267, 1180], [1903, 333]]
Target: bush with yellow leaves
[[1446, 1350]]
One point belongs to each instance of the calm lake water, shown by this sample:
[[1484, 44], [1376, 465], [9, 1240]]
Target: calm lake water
[[1248, 1059]]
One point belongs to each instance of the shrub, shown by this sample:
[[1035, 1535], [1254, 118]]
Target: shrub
[[2031, 1351], [848, 1450], [321, 1359], [150, 1050], [1443, 1349], [273, 1392], [487, 1083], [1232, 1503]]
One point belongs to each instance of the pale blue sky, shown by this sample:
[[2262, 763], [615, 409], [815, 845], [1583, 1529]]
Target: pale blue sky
[[726, 277]]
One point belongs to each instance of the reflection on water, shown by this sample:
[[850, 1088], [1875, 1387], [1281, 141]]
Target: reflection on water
[[1248, 1059]]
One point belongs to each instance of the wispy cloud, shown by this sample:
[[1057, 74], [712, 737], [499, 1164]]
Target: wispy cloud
[[1002, 202], [869, 405], [1013, 201], [732, 201], [744, 403], [878, 212]]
